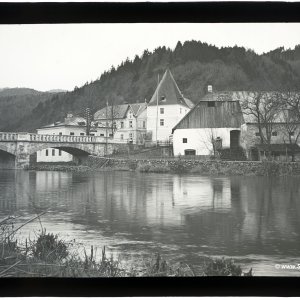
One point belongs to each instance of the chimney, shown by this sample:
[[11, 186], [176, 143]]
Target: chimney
[[209, 89]]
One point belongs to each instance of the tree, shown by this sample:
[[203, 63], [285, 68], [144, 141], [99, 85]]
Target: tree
[[291, 120], [264, 109]]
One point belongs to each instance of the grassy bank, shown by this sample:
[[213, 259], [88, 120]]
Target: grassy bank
[[50, 256]]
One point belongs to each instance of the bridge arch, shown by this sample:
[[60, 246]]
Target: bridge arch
[[72, 149], [4, 148]]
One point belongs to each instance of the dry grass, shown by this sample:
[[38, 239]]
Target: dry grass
[[50, 256]]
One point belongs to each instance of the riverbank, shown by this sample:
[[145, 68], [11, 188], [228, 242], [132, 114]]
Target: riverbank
[[50, 256], [180, 166]]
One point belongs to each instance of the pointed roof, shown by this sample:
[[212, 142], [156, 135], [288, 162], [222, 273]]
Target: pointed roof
[[169, 93], [119, 112], [138, 108]]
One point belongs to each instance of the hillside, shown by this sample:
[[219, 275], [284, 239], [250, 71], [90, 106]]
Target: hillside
[[17, 104], [194, 66]]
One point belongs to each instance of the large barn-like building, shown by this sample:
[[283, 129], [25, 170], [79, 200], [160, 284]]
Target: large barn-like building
[[214, 123]]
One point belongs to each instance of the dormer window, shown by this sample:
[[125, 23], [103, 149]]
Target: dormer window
[[163, 98]]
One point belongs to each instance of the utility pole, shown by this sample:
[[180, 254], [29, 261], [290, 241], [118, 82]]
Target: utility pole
[[157, 110], [106, 125], [88, 120]]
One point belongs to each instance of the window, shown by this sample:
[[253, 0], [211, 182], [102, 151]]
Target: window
[[47, 153], [144, 124], [189, 152], [130, 124], [274, 133], [92, 134], [162, 110], [71, 133], [122, 136], [53, 152], [162, 122], [110, 134], [101, 134], [122, 124], [59, 152], [211, 104], [81, 133], [130, 136], [180, 110], [256, 133], [184, 140], [163, 98], [60, 133]]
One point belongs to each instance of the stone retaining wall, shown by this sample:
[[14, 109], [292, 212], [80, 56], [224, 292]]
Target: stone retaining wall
[[211, 167]]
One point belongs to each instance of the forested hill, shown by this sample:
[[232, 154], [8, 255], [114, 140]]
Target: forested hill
[[194, 66]]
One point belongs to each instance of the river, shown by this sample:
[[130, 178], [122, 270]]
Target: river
[[255, 220]]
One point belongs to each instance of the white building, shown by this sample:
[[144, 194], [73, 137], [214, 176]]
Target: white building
[[70, 126], [214, 123], [165, 109], [126, 123]]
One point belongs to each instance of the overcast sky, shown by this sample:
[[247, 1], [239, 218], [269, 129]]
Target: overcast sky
[[47, 57]]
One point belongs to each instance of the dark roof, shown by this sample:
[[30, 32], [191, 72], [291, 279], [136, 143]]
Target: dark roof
[[223, 114], [168, 93], [282, 148]]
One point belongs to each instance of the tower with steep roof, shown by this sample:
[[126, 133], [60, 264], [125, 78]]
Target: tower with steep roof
[[166, 108]]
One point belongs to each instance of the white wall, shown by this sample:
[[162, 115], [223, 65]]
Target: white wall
[[54, 155], [133, 133], [171, 116], [199, 139]]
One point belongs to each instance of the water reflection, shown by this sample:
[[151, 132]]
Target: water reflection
[[187, 215]]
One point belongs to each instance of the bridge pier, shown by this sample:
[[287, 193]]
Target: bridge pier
[[22, 161]]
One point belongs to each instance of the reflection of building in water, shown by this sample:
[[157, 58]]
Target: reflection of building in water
[[266, 214], [202, 193]]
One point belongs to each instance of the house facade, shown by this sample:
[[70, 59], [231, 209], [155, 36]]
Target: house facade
[[70, 126], [165, 109], [220, 121], [213, 124], [126, 123]]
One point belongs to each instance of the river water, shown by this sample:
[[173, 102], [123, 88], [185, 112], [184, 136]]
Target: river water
[[255, 220]]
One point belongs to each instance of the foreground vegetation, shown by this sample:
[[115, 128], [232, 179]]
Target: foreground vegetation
[[50, 256]]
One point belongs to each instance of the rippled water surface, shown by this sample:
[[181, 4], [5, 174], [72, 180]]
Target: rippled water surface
[[256, 220]]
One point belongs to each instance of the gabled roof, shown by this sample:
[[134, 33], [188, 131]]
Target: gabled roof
[[168, 93], [138, 108], [223, 114], [116, 111], [119, 111]]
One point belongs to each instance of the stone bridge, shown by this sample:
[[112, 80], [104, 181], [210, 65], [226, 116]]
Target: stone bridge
[[16, 148]]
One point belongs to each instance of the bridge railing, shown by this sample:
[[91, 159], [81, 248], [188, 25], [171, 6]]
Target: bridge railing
[[32, 137], [8, 136]]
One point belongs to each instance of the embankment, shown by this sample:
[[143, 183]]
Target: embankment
[[201, 167], [179, 166]]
